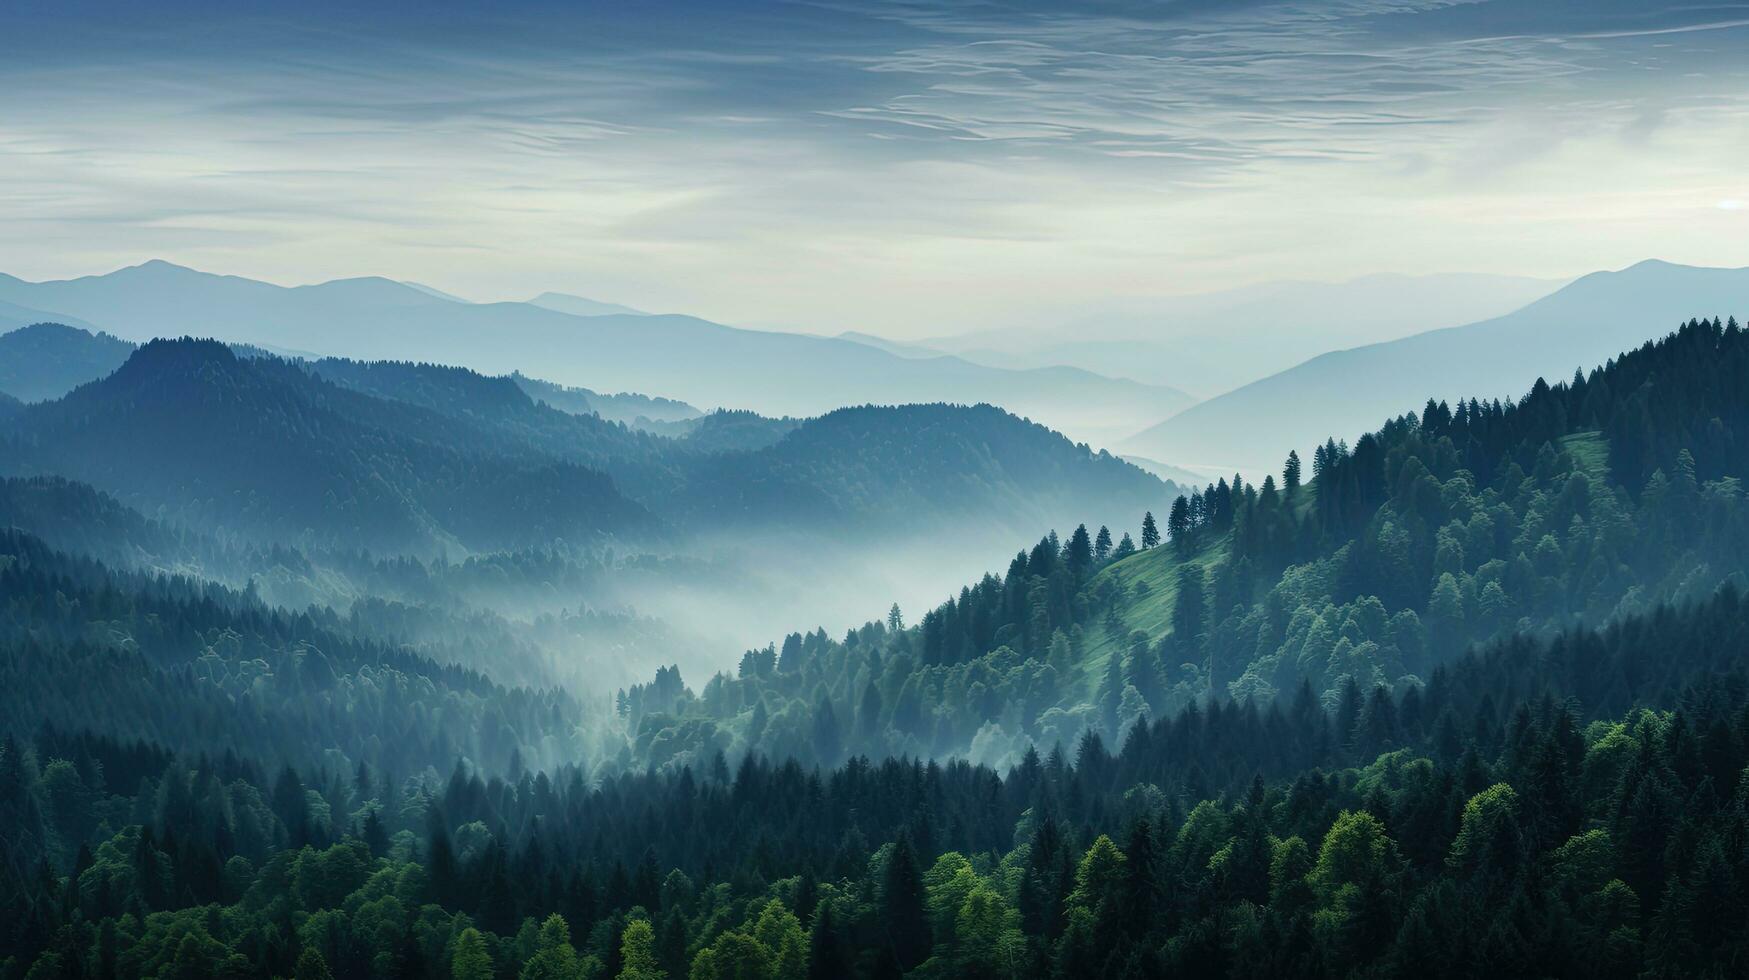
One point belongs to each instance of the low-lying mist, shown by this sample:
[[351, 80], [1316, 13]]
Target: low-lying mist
[[595, 624]]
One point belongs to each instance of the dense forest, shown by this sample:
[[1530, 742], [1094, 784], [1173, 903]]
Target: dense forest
[[1489, 823], [1467, 697]]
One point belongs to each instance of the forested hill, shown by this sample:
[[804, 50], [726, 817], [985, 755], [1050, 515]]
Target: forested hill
[[208, 669], [949, 467], [263, 448], [499, 412], [631, 408], [1582, 501], [47, 360], [422, 458], [870, 468]]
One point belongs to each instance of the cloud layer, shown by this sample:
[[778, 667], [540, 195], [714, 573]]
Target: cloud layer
[[910, 167]]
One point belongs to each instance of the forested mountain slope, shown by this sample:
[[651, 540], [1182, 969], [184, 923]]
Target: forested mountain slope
[[211, 669], [1580, 502], [47, 360], [264, 449], [1344, 393], [401, 445], [858, 470], [917, 465], [633, 409]]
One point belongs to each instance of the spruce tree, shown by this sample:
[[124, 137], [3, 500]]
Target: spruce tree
[[902, 906], [1178, 521]]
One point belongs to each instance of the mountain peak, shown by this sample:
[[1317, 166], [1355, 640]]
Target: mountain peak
[[372, 289], [157, 267], [582, 305], [48, 328], [179, 352]]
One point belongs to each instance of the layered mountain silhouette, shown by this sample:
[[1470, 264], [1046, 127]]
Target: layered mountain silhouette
[[629, 407], [704, 363], [582, 305], [262, 447], [14, 316], [1346, 392], [1210, 343], [47, 360], [415, 457]]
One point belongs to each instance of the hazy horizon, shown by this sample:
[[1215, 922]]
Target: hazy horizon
[[1132, 308]]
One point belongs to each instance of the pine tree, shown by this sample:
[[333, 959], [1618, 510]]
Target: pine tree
[[902, 906], [1150, 532], [827, 958], [1141, 886], [1189, 611], [375, 836], [1102, 545], [1290, 475], [828, 740], [1178, 521], [1080, 552], [1111, 692]]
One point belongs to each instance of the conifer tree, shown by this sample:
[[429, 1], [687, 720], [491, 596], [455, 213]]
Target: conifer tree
[[902, 906], [1178, 521]]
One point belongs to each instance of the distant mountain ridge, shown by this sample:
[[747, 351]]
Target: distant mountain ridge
[[1210, 343], [701, 362], [47, 360], [1343, 393], [582, 305], [628, 407]]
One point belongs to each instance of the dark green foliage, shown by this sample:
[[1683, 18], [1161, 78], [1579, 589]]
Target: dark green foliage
[[1330, 863]]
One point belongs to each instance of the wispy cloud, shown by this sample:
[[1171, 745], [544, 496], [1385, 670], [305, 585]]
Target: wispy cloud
[[868, 162]]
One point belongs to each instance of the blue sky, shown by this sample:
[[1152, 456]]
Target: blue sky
[[913, 168]]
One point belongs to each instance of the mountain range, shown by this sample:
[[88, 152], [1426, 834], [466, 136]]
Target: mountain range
[[1343, 393], [1213, 342], [415, 457], [46, 360], [681, 357]]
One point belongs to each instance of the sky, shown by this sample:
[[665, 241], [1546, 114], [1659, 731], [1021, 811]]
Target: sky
[[907, 168]]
